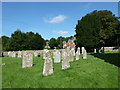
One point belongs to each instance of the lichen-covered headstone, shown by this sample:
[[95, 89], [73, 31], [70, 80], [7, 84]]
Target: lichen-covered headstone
[[48, 67], [57, 56], [84, 54], [71, 56], [65, 61], [36, 53], [13, 54], [19, 54], [73, 51], [27, 60], [77, 55]]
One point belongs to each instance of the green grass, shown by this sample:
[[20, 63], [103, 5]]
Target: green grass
[[91, 73]]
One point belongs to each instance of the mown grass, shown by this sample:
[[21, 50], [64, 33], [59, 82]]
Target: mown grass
[[91, 73]]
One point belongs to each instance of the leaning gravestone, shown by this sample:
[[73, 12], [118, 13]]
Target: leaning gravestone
[[57, 56], [48, 67], [84, 54], [27, 60], [65, 61]]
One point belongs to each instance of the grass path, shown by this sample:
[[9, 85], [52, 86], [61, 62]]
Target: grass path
[[91, 73]]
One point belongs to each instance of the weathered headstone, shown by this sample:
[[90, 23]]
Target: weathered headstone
[[77, 55], [19, 54], [36, 53], [65, 61], [84, 54], [73, 51], [13, 54], [48, 67], [57, 56], [27, 60], [71, 56]]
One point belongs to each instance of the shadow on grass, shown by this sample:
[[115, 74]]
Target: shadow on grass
[[112, 58]]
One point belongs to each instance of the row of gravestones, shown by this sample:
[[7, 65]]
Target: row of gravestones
[[65, 56]]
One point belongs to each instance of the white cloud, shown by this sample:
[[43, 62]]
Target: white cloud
[[61, 32], [56, 19]]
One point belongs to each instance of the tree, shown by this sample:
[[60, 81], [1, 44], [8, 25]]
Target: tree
[[37, 42], [97, 28], [53, 43], [18, 41], [5, 43], [60, 41], [87, 31]]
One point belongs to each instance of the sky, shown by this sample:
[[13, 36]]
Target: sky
[[49, 19]]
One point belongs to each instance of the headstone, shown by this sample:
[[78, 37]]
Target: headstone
[[77, 55], [57, 56], [19, 54], [65, 61], [27, 60], [71, 56], [95, 50], [68, 53], [48, 67], [36, 53], [13, 54], [84, 54], [73, 51], [82, 49]]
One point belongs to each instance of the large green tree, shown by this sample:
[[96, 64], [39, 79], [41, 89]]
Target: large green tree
[[18, 41], [97, 28]]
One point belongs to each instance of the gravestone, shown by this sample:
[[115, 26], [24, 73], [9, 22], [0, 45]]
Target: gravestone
[[48, 67], [57, 56], [27, 60], [84, 54], [36, 53], [73, 51], [71, 56], [68, 53], [82, 49], [95, 51], [65, 61], [78, 49], [19, 54], [13, 54], [77, 55]]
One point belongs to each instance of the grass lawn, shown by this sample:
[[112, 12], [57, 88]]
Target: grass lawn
[[98, 71]]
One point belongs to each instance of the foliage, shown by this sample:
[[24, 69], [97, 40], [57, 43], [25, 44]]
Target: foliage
[[98, 28], [22, 41], [53, 43]]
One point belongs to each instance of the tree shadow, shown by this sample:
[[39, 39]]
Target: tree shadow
[[112, 58]]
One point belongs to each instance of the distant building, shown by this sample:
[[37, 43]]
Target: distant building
[[47, 45], [70, 43]]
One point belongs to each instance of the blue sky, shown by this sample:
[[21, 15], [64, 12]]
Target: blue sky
[[49, 19]]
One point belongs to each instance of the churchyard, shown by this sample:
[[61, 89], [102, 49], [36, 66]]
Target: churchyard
[[60, 69]]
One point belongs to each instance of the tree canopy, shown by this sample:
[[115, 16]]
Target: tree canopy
[[22, 41], [97, 28]]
